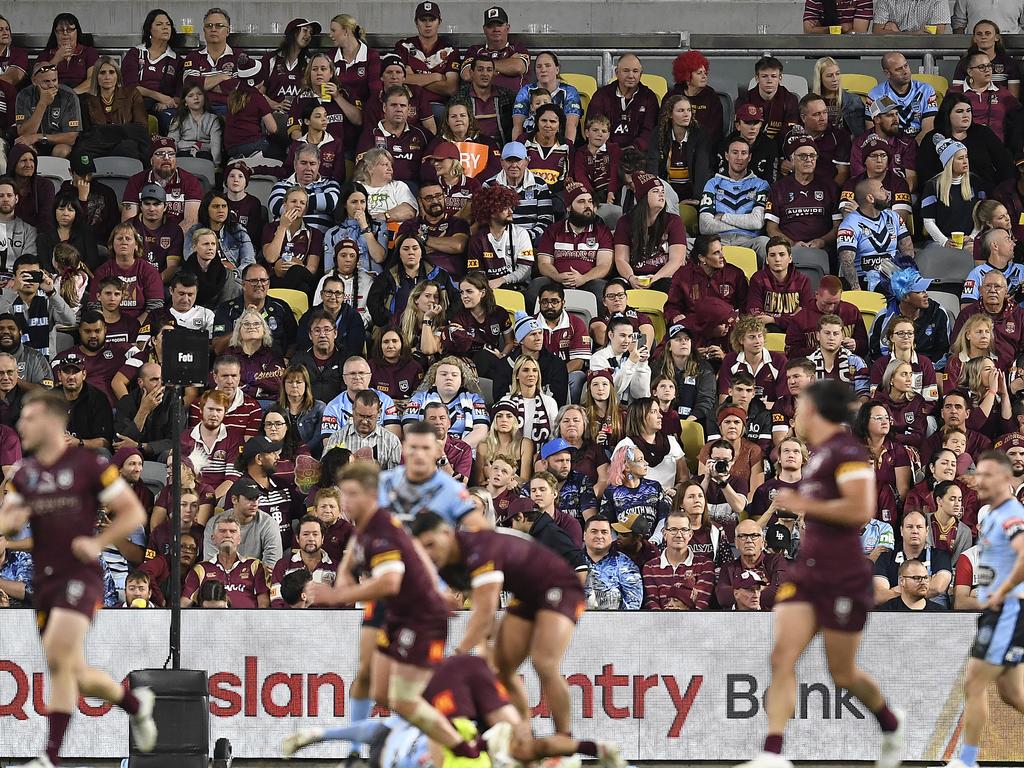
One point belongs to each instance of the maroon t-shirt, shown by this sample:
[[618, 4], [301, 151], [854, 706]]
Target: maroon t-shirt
[[657, 253], [166, 240], [244, 582], [571, 250], [407, 148], [466, 335], [199, 65], [180, 188], [14, 57], [144, 290], [100, 367], [691, 285], [71, 72], [245, 126], [452, 263], [802, 329], [281, 82], [803, 212], [162, 74], [262, 373], [123, 332], [510, 51], [336, 538], [248, 213], [398, 381], [441, 59], [780, 112]]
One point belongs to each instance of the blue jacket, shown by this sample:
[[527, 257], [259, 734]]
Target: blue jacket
[[614, 583]]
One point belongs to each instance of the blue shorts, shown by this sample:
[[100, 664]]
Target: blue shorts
[[1000, 638], [406, 746]]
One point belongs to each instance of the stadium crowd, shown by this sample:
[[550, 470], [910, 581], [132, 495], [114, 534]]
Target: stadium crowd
[[602, 304]]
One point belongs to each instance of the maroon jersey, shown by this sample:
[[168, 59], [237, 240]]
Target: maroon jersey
[[262, 373], [692, 284], [466, 335], [162, 74], [802, 330], [246, 125], [597, 172], [123, 332], [243, 416], [325, 572], [14, 57], [771, 567], [902, 154], [568, 340], [686, 586], [199, 65], [398, 381], [990, 107], [248, 214], [297, 247], [833, 150], [100, 366], [633, 120], [569, 249], [166, 240], [182, 187], [909, 418], [244, 581], [657, 253], [71, 72], [448, 226], [460, 194], [464, 686], [548, 163], [510, 51], [535, 575], [1008, 326], [143, 288], [779, 299], [282, 81], [217, 459], [768, 373], [64, 499], [362, 76], [335, 117], [781, 112], [803, 212], [336, 538], [407, 148], [441, 59]]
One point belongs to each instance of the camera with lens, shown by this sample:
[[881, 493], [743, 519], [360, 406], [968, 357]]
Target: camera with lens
[[721, 466]]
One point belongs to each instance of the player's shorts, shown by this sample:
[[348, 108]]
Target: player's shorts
[[841, 608], [468, 688], [421, 645], [84, 596], [375, 614], [566, 599], [1000, 638]]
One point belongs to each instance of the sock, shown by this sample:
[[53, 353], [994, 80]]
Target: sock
[[129, 703], [361, 709], [969, 754], [57, 723], [773, 743], [588, 748], [886, 719], [357, 733], [465, 749]]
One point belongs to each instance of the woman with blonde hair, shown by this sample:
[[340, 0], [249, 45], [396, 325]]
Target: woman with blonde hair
[[573, 425], [908, 409], [991, 407], [504, 438], [975, 339], [601, 402], [845, 109], [144, 289], [387, 198], [458, 188], [991, 214], [459, 126], [356, 64], [318, 87], [262, 368], [423, 319], [451, 382], [535, 410], [948, 199]]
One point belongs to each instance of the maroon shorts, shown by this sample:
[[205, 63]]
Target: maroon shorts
[[375, 613], [842, 607], [84, 596], [566, 599], [420, 644], [464, 686]]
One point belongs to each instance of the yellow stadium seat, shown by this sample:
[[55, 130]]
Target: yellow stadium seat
[[744, 258], [868, 302], [938, 82], [776, 342], [513, 301], [656, 83], [693, 441], [651, 303], [859, 84], [297, 300], [585, 84]]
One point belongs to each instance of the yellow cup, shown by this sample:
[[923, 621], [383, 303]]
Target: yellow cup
[[644, 280], [324, 96], [957, 238], [932, 29], [835, 29]]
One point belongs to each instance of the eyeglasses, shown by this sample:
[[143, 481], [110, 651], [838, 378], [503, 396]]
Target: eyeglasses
[[805, 157], [257, 281], [275, 424], [551, 302], [189, 548], [438, 196], [982, 67], [880, 418], [365, 416], [252, 326], [903, 334], [615, 295], [748, 536], [674, 531], [334, 294], [322, 331], [214, 25], [64, 29], [164, 153], [357, 373], [918, 579]]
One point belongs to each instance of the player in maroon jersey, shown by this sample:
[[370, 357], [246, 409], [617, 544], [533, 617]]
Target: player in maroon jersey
[[59, 490], [828, 588], [547, 602], [416, 627]]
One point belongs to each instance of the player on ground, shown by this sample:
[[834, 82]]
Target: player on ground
[[829, 587], [416, 625], [547, 602], [999, 647], [59, 491]]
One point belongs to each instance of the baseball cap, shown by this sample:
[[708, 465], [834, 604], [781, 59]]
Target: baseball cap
[[882, 106], [391, 60], [519, 506], [750, 112], [428, 10], [632, 524], [514, 149], [551, 447], [245, 487], [71, 361], [679, 328], [82, 163], [777, 537], [153, 192], [495, 15], [921, 284], [446, 151], [296, 23], [258, 445], [749, 580]]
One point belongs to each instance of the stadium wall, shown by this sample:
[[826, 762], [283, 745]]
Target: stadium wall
[[679, 687]]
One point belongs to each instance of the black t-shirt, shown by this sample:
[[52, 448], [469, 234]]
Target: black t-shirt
[[91, 415], [935, 560], [897, 604]]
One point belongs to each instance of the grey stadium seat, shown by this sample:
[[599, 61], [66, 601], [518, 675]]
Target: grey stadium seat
[[201, 167], [947, 265], [116, 165], [948, 302]]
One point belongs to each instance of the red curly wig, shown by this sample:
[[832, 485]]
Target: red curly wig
[[490, 200], [688, 63]]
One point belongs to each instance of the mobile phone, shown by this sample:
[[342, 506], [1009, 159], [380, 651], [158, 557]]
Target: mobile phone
[[35, 276]]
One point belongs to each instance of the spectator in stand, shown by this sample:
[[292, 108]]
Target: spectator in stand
[[901, 334], [432, 58], [1005, 314], [989, 157], [547, 151], [279, 316], [886, 124], [991, 214], [664, 455], [575, 490], [282, 70], [707, 274], [764, 152], [832, 143], [70, 50], [543, 489], [323, 193], [851, 16], [35, 193], [144, 289], [14, 61], [987, 38], [525, 516], [32, 298], [650, 243], [347, 332], [537, 206], [122, 330], [479, 331], [21, 236], [359, 226], [779, 106], [16, 576], [68, 225], [750, 355], [406, 143], [90, 423], [630, 106], [395, 371], [630, 491], [693, 378], [948, 199], [966, 581], [501, 248], [32, 369], [993, 105], [457, 186], [954, 412], [262, 368], [992, 411], [195, 129], [1013, 445], [707, 541], [680, 580], [344, 111], [480, 154], [111, 102], [453, 384], [770, 568], [387, 199], [941, 469], [101, 360], [247, 577], [535, 409], [274, 501], [142, 418], [845, 109], [365, 436], [626, 359], [614, 582], [511, 60], [446, 234], [907, 408], [690, 72], [356, 65], [292, 246], [732, 204], [47, 113], [182, 190], [233, 242], [890, 459], [877, 167], [303, 412], [997, 250], [938, 566], [801, 333], [564, 96], [779, 290], [217, 284], [631, 162], [682, 154], [308, 556], [457, 458], [248, 122], [502, 485], [832, 360], [332, 155], [217, 67], [792, 457], [895, 18], [742, 472], [97, 200], [355, 283], [871, 236], [242, 413], [391, 291], [947, 530], [12, 388], [162, 239], [912, 590], [490, 104], [339, 411], [615, 302], [916, 101], [565, 336]]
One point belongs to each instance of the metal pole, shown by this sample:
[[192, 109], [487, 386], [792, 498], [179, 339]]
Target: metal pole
[[175, 591]]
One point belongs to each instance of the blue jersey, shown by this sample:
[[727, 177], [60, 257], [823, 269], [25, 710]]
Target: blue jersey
[[871, 240], [1014, 274], [916, 104], [566, 97], [465, 411], [441, 494], [338, 413], [997, 556], [725, 195], [646, 500]]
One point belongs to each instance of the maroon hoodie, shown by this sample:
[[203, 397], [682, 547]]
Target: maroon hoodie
[[35, 206]]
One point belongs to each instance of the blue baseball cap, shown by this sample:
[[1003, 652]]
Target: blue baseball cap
[[514, 149], [551, 447]]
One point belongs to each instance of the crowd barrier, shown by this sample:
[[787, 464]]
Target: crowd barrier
[[679, 687]]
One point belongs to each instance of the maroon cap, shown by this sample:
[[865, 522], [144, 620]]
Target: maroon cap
[[750, 113], [520, 506], [872, 142], [749, 580], [796, 141], [429, 9], [574, 189], [124, 453], [643, 183], [296, 23], [161, 142], [1011, 440], [446, 151]]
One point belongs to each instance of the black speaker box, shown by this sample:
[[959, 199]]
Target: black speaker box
[[186, 357], [182, 715]]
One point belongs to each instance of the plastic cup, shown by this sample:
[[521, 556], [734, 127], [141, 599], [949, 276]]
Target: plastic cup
[[931, 29], [644, 280], [957, 238], [186, 26], [324, 95], [835, 29]]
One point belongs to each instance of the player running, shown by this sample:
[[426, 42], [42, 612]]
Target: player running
[[416, 623], [539, 623], [829, 587], [59, 490], [999, 647]]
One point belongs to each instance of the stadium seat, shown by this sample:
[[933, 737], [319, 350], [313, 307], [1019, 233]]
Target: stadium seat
[[651, 303], [116, 181], [693, 440], [297, 300], [795, 84], [512, 301], [948, 302], [260, 187], [938, 82], [582, 303], [813, 263], [656, 83], [947, 265], [54, 168], [728, 111], [201, 167], [744, 258], [868, 302], [486, 390], [859, 84], [585, 84], [776, 342], [812, 272], [117, 165]]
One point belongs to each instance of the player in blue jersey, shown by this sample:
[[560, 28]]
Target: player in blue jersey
[[871, 235], [916, 102], [999, 646]]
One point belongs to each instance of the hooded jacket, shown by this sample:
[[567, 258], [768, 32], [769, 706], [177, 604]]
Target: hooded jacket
[[35, 206]]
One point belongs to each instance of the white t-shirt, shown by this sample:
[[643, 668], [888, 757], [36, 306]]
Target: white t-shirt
[[664, 473], [380, 199]]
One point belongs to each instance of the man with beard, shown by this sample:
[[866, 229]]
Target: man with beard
[[33, 370], [258, 462], [142, 418], [446, 235], [733, 201], [162, 240], [309, 555], [577, 252], [902, 147], [575, 491], [91, 422], [17, 237], [1012, 445], [565, 336], [100, 360], [872, 235], [182, 190], [349, 332], [128, 459]]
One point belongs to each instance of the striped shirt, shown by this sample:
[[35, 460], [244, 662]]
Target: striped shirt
[[536, 209], [846, 11], [466, 410], [690, 583], [324, 195], [242, 417], [385, 447]]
